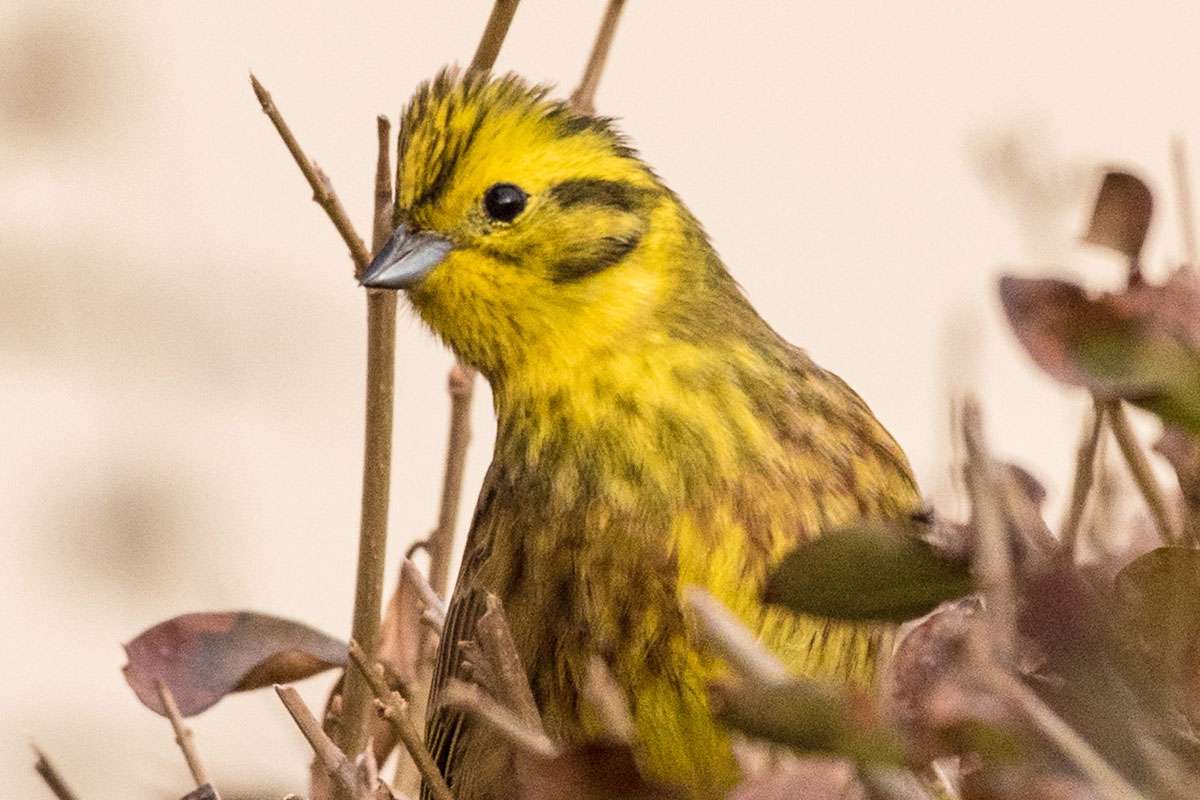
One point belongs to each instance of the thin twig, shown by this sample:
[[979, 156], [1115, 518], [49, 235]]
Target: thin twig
[[1106, 781], [381, 227], [435, 607], [395, 711], [330, 755], [1183, 192], [583, 99], [377, 465], [992, 555], [323, 193], [1081, 486], [183, 735], [461, 385], [733, 640], [52, 777], [601, 690], [1139, 467], [493, 35], [498, 647], [470, 699]]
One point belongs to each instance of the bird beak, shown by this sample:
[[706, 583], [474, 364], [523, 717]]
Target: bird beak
[[405, 259]]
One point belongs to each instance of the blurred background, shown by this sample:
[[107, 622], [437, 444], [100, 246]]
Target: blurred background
[[181, 343]]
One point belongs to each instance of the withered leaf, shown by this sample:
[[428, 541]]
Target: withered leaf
[[595, 771], [1141, 345], [203, 657], [868, 572], [1122, 213]]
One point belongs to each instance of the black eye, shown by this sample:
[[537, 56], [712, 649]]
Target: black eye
[[504, 201]]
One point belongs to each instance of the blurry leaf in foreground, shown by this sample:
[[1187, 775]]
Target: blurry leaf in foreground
[[802, 779], [596, 771], [1158, 615], [1183, 451], [870, 572], [1142, 345], [1122, 213], [203, 657]]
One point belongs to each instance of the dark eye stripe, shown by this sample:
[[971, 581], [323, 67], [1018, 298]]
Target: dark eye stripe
[[596, 192], [595, 256]]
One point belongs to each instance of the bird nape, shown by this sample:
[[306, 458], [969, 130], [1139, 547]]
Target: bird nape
[[653, 432]]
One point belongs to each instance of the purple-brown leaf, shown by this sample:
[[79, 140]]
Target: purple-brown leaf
[[1121, 217], [1141, 345], [203, 657]]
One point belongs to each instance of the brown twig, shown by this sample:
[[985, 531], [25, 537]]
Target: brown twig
[[52, 777], [395, 711], [323, 193], [1081, 486], [434, 605], [497, 646], [601, 690], [471, 699], [493, 35], [720, 629], [1183, 192], [183, 734], [583, 99], [992, 554], [381, 227], [1139, 468], [330, 755], [461, 385]]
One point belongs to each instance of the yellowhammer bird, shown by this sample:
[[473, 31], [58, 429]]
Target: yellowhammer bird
[[653, 431]]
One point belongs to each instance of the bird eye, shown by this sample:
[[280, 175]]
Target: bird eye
[[504, 201]]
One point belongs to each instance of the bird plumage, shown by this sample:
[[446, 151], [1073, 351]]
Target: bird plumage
[[653, 431]]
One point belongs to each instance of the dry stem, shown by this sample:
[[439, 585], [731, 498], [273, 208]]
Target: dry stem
[[183, 735], [497, 646], [583, 99], [395, 711], [323, 193], [52, 777], [461, 385], [1139, 467], [493, 35], [1183, 191], [724, 632], [470, 699], [435, 607], [606, 697], [331, 757], [1081, 486], [992, 555]]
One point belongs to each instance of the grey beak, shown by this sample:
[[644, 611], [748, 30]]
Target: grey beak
[[405, 259]]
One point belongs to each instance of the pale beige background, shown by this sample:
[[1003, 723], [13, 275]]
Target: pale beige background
[[181, 344]]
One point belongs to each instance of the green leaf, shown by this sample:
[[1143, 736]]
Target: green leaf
[[882, 572]]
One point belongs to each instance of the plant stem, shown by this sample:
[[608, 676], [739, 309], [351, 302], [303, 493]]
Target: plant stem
[[52, 778], [461, 385], [493, 35], [183, 735], [1081, 486], [583, 99], [1139, 467]]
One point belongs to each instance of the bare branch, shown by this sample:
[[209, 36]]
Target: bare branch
[[183, 735], [992, 554], [1081, 486], [472, 700], [601, 690], [1183, 191], [395, 711], [331, 757], [1139, 467], [52, 777], [381, 228], [435, 607], [322, 189], [583, 99], [461, 386], [493, 35], [496, 643], [733, 640]]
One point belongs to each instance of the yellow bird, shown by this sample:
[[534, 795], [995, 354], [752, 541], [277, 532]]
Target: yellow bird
[[653, 432]]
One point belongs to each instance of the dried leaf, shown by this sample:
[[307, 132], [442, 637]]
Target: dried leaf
[[881, 572], [1142, 345], [203, 657], [203, 792], [1122, 214], [1158, 616], [597, 771]]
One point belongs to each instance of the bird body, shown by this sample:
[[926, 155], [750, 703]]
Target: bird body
[[653, 432]]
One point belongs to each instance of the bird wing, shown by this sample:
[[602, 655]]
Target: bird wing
[[445, 728]]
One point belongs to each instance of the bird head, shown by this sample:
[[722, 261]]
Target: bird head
[[526, 230]]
